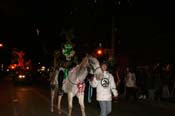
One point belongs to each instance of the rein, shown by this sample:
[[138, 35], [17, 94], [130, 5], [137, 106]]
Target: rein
[[79, 82], [72, 82], [96, 69]]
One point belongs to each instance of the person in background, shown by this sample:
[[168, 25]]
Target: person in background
[[130, 84], [117, 77], [117, 81], [105, 89]]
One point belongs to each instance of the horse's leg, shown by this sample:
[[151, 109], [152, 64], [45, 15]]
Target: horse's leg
[[81, 102], [52, 99], [70, 100], [59, 103]]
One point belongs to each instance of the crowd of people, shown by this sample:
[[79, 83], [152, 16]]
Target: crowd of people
[[148, 82]]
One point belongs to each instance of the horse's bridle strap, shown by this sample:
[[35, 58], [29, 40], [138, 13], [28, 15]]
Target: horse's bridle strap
[[74, 83], [96, 69]]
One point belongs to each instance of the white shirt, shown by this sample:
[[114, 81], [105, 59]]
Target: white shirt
[[105, 87]]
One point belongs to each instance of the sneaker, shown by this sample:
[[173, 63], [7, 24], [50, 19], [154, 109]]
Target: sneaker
[[144, 97], [141, 97]]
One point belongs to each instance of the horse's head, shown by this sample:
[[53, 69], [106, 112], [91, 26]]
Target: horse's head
[[94, 67], [91, 63]]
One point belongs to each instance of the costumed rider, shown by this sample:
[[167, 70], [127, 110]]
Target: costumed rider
[[68, 61], [69, 53]]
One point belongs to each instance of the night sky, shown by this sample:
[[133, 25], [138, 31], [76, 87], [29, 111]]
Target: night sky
[[145, 28]]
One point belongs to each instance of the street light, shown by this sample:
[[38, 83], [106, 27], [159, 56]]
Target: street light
[[99, 52], [1, 45]]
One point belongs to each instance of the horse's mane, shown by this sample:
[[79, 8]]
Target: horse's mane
[[82, 65], [84, 62]]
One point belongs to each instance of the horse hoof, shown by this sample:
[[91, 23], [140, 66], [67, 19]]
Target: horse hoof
[[51, 110], [59, 112]]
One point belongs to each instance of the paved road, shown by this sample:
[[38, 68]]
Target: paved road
[[35, 101]]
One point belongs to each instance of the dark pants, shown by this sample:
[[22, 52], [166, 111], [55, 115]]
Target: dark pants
[[131, 92]]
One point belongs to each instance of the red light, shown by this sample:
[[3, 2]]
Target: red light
[[99, 52], [1, 45]]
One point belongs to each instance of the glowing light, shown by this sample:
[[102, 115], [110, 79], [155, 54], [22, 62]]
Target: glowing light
[[99, 52], [13, 66], [43, 68], [1, 45], [21, 76], [27, 68], [20, 58]]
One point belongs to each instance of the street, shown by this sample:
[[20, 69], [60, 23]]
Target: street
[[33, 100]]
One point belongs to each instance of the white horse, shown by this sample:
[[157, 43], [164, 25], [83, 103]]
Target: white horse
[[56, 77], [53, 87], [74, 83]]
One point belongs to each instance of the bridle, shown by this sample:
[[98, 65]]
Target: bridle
[[91, 66], [94, 70]]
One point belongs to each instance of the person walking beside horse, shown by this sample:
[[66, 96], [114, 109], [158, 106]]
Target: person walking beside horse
[[104, 90]]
